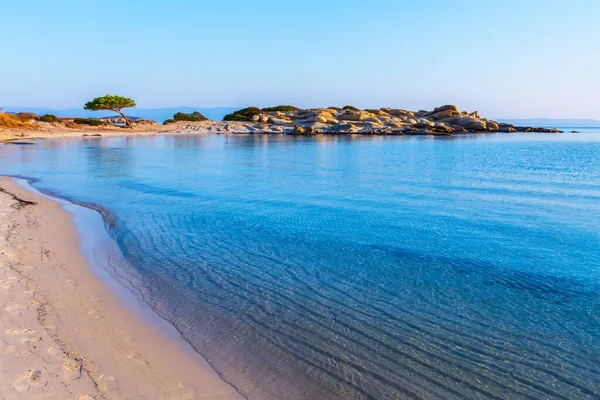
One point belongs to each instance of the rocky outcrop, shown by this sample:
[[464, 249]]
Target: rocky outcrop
[[443, 120], [132, 120]]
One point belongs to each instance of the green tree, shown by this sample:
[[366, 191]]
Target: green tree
[[244, 114], [111, 103]]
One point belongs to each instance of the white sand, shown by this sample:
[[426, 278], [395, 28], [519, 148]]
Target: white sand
[[49, 131], [64, 334]]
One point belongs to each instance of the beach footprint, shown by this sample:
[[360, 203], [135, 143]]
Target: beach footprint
[[72, 370], [136, 358], [93, 313], [12, 332], [16, 309], [28, 339], [8, 283], [56, 353], [50, 329], [108, 384], [186, 392], [21, 385], [7, 348], [70, 283], [24, 336], [37, 378]]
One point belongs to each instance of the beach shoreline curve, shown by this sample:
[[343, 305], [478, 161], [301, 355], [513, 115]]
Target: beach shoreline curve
[[70, 329]]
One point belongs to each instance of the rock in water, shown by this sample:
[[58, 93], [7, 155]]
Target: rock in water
[[298, 130], [492, 126], [445, 119], [471, 124]]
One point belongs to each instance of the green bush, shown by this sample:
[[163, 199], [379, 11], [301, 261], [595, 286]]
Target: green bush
[[88, 121], [49, 118], [169, 121], [351, 108], [371, 110], [195, 116], [244, 114], [334, 108], [281, 108]]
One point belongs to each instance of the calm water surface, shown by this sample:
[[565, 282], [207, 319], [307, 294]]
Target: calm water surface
[[358, 267]]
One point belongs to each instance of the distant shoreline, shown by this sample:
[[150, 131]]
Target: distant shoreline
[[160, 114], [443, 120]]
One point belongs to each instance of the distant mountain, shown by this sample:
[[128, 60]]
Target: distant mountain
[[550, 121], [156, 114]]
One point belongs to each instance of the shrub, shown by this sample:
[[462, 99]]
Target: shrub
[[351, 108], [88, 121], [244, 114], [71, 125], [12, 121], [49, 118], [371, 110], [195, 116], [169, 121], [334, 108], [25, 116], [281, 108]]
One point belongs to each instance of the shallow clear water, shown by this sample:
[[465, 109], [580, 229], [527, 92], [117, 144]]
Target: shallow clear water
[[358, 267]]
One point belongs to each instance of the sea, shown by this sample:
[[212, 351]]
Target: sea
[[356, 267]]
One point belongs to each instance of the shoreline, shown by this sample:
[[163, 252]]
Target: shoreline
[[71, 329], [441, 121]]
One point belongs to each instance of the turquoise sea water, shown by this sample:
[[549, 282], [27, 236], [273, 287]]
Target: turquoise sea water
[[358, 267]]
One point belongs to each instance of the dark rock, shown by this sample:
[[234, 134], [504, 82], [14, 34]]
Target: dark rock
[[442, 114], [441, 128], [396, 132], [458, 129], [472, 124], [447, 107], [424, 124], [446, 111], [422, 131], [538, 129], [492, 126], [450, 120], [298, 130]]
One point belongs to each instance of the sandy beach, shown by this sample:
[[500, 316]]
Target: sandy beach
[[65, 335], [51, 131]]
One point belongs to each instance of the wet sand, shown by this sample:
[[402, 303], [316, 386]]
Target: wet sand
[[65, 333]]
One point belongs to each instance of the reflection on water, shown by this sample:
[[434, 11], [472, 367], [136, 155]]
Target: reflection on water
[[357, 267]]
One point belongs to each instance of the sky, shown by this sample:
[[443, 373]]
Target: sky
[[505, 58]]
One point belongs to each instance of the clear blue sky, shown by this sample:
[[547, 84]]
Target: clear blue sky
[[526, 58]]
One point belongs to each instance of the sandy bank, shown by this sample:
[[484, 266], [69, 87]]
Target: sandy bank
[[443, 120], [49, 131], [64, 333]]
